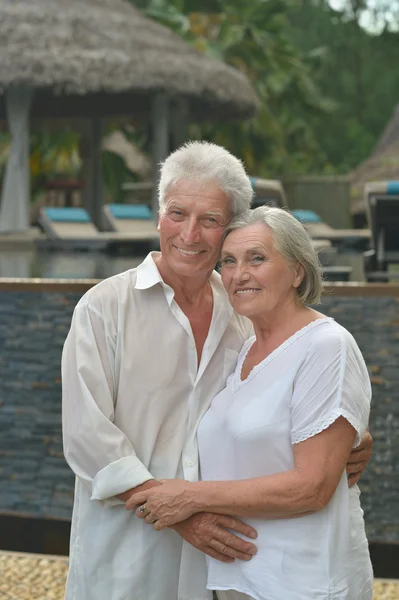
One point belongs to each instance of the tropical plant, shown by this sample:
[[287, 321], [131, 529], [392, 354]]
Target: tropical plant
[[253, 37], [53, 155], [357, 70]]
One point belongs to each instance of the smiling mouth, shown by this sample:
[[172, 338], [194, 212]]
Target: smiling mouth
[[188, 252], [246, 291]]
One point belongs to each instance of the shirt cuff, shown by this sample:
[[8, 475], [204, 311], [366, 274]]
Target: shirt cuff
[[118, 477]]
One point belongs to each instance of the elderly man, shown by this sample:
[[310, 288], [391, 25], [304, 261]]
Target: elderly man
[[147, 351]]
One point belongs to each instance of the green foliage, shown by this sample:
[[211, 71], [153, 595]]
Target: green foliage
[[53, 155], [254, 37], [327, 87], [4, 149], [358, 70]]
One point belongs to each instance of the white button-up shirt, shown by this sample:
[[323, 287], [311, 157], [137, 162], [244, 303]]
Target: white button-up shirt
[[133, 396]]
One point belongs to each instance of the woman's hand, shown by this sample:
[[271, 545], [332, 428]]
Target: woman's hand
[[164, 505]]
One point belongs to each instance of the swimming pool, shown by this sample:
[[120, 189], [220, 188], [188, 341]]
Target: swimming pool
[[64, 265], [99, 265]]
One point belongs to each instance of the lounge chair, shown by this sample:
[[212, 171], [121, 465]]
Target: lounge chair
[[70, 228], [317, 229], [382, 210], [269, 192], [135, 221]]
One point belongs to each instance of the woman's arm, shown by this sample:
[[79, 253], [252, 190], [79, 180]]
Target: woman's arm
[[308, 487], [319, 464], [329, 413]]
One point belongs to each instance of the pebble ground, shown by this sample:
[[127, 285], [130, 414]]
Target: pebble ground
[[40, 577]]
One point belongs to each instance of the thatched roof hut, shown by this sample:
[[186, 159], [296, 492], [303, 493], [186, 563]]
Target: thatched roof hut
[[382, 164], [86, 57], [390, 135], [99, 58]]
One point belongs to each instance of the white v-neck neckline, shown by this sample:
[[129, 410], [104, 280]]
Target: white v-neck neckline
[[238, 382]]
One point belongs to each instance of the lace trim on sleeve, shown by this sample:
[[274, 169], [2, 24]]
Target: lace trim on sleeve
[[324, 423]]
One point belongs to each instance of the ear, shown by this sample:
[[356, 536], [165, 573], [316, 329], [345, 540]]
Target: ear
[[299, 275]]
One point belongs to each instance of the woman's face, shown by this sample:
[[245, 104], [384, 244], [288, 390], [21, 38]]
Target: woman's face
[[257, 278]]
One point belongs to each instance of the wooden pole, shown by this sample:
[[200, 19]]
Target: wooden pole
[[93, 175], [160, 129], [15, 195], [179, 120]]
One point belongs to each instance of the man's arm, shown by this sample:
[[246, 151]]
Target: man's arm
[[359, 459], [97, 451]]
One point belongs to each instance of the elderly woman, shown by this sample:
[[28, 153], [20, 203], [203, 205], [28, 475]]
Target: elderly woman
[[275, 442]]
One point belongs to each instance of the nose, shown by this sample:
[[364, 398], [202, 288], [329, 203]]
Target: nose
[[241, 274], [190, 233]]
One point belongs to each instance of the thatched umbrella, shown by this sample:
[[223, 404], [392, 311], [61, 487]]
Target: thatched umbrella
[[381, 165], [97, 58]]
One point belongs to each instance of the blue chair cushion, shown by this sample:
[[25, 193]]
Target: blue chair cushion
[[253, 181], [130, 211], [393, 188], [306, 216], [68, 215]]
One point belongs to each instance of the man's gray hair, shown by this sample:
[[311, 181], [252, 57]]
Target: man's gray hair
[[291, 239], [204, 162]]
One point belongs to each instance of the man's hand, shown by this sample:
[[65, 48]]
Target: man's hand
[[359, 459], [210, 534]]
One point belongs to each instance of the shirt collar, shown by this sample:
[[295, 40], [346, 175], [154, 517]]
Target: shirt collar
[[147, 273], [148, 276], [220, 297]]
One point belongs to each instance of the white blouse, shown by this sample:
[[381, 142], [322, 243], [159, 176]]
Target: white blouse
[[133, 395], [299, 390]]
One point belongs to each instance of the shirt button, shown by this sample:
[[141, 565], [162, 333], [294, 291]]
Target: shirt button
[[190, 463]]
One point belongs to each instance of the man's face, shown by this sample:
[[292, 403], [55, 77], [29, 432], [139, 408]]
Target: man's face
[[191, 227]]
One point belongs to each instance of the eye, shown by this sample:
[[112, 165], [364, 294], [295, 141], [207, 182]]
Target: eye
[[210, 222], [258, 258], [176, 214], [227, 261]]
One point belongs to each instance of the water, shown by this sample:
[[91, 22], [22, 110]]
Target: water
[[64, 265], [98, 265]]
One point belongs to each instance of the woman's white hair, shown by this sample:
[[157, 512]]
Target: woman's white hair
[[291, 239], [204, 162]]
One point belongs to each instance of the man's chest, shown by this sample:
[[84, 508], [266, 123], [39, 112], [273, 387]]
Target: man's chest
[[200, 326], [157, 353]]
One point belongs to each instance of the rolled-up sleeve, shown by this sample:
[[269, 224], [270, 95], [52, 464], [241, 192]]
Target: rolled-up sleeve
[[98, 452]]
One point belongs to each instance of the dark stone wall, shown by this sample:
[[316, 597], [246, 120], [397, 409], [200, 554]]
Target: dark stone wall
[[374, 323], [35, 478]]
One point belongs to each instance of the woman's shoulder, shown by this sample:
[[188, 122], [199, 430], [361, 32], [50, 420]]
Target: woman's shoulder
[[331, 338]]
